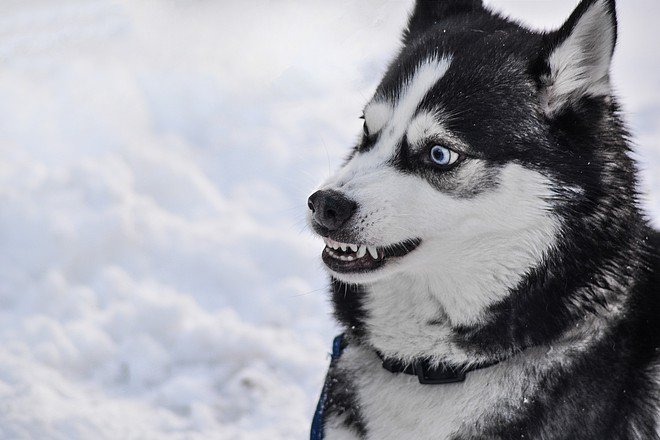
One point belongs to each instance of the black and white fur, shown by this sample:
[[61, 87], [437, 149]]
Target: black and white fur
[[532, 250]]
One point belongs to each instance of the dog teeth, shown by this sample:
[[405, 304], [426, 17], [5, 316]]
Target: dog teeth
[[360, 250], [338, 245], [331, 243]]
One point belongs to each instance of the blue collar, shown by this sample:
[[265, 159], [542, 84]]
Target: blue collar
[[317, 432]]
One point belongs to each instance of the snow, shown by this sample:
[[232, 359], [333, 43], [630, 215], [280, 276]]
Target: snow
[[158, 280]]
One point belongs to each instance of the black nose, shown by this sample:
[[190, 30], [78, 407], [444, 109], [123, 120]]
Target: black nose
[[330, 209]]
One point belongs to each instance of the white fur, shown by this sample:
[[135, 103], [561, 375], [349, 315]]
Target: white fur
[[376, 115], [580, 65], [426, 125], [336, 430], [426, 76], [396, 406]]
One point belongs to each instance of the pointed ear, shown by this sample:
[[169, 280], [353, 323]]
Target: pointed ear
[[429, 12], [576, 59]]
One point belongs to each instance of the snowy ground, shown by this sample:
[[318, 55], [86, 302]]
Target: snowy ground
[[157, 280]]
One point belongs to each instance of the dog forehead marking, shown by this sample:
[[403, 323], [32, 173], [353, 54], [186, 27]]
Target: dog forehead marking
[[377, 114], [405, 106], [425, 125]]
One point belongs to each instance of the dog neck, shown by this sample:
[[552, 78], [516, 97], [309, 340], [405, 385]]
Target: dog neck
[[407, 319]]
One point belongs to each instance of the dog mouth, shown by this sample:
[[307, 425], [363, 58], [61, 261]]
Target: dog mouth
[[354, 258]]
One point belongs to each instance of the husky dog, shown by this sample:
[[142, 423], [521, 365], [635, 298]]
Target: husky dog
[[488, 258]]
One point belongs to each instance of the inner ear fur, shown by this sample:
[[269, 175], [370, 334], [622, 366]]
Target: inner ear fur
[[575, 60]]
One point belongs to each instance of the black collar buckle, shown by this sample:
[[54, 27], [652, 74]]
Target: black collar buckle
[[437, 376], [427, 375]]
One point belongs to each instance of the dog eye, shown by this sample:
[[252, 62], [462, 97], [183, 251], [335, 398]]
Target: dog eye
[[443, 156], [365, 129]]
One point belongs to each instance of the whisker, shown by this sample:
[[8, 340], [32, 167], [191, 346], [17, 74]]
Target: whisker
[[298, 295]]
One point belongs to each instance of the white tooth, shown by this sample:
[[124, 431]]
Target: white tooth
[[350, 258], [373, 251], [342, 258], [327, 241], [362, 251], [354, 247], [343, 246], [334, 244]]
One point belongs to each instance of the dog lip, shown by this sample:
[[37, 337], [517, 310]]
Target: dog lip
[[400, 249], [366, 262]]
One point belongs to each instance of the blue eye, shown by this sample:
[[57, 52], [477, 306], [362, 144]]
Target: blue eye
[[443, 156]]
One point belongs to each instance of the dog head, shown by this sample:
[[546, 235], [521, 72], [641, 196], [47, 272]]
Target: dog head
[[482, 140]]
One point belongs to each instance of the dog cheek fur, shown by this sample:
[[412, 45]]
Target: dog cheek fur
[[474, 249]]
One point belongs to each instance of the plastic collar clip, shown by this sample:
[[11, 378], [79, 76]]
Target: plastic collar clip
[[425, 374]]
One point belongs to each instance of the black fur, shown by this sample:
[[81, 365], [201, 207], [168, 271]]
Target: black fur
[[342, 401], [429, 12], [607, 252], [349, 311]]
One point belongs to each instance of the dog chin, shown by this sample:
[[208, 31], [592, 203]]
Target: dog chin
[[363, 277]]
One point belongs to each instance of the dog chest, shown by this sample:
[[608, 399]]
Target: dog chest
[[397, 406]]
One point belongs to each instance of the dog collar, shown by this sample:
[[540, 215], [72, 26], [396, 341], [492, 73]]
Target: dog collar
[[431, 375], [426, 374]]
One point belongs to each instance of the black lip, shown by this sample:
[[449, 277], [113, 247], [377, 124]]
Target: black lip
[[368, 263]]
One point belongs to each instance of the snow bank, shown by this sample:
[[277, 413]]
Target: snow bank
[[157, 277]]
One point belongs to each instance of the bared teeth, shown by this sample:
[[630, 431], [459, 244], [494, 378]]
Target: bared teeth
[[340, 257], [359, 250]]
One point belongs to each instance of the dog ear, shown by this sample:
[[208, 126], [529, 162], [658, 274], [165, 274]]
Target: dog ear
[[428, 12], [576, 59]]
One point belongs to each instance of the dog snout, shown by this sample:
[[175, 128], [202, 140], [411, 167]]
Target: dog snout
[[330, 209]]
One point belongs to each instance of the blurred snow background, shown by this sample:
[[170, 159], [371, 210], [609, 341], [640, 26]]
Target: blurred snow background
[[156, 277]]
